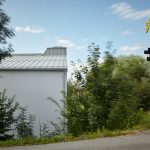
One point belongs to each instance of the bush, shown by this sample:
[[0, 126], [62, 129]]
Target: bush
[[8, 107]]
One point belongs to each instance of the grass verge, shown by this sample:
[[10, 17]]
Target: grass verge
[[143, 125], [65, 138]]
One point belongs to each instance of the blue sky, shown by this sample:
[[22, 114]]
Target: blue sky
[[39, 24]]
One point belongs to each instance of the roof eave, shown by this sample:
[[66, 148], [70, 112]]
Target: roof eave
[[33, 69]]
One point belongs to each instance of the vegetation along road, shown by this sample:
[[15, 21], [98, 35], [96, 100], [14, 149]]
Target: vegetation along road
[[140, 141]]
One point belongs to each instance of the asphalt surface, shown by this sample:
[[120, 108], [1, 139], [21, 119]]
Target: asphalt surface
[[139, 141]]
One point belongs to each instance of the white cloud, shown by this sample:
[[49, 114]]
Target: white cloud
[[130, 49], [76, 45], [126, 11], [126, 32], [29, 29], [65, 43], [81, 47]]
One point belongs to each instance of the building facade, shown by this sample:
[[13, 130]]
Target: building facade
[[32, 78]]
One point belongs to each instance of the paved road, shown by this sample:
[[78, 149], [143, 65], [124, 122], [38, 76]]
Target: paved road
[[139, 141]]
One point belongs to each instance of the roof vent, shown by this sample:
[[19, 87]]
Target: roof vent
[[56, 51]]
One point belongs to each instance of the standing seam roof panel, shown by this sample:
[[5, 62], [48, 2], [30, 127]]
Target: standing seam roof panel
[[53, 58]]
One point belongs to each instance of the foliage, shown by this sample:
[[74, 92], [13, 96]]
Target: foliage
[[61, 126], [25, 124], [99, 88], [107, 94], [76, 110], [44, 130], [144, 120], [5, 32], [8, 107]]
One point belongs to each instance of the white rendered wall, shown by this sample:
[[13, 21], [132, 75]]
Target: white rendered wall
[[32, 89]]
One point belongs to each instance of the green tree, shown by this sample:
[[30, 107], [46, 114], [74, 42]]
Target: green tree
[[144, 94], [5, 33], [99, 85], [95, 89], [124, 105], [25, 123], [8, 107], [136, 69], [77, 108], [130, 80], [88, 99], [107, 94]]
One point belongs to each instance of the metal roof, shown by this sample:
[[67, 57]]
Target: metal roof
[[54, 58]]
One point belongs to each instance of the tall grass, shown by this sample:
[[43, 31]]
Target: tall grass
[[144, 124], [63, 138]]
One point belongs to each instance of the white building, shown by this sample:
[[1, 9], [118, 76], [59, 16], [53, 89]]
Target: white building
[[32, 78]]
